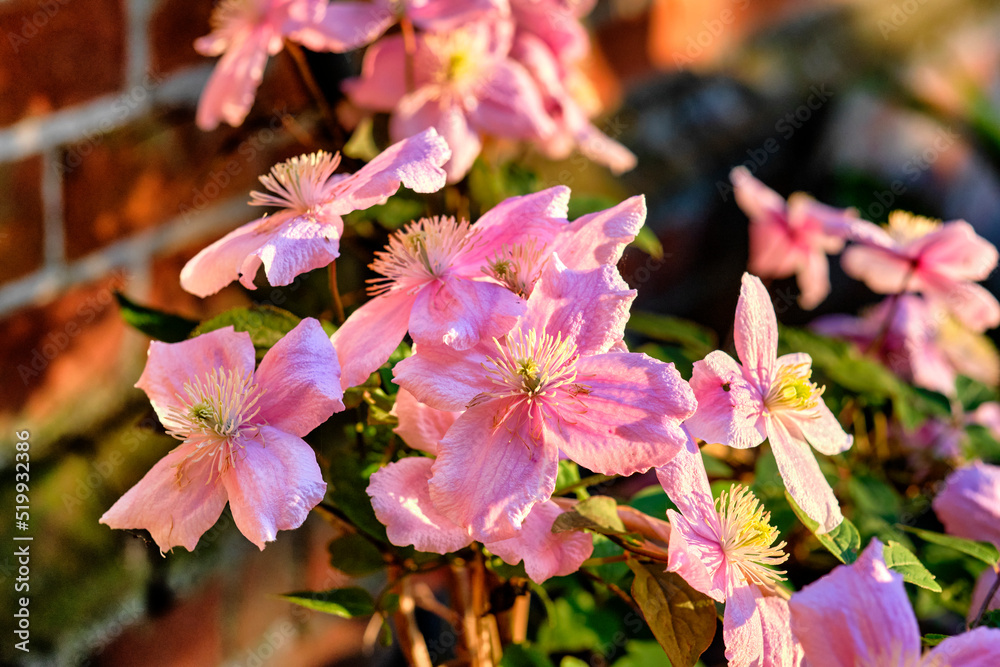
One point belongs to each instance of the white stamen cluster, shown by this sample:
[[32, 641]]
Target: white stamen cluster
[[793, 390], [216, 416], [298, 184], [517, 268], [424, 250], [746, 536], [533, 365], [904, 226]]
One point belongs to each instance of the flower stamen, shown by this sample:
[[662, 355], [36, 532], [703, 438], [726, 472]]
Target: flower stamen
[[746, 536], [298, 184], [424, 250], [516, 267], [792, 390], [904, 226]]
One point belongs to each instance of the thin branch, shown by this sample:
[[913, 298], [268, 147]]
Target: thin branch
[[989, 597], [338, 306]]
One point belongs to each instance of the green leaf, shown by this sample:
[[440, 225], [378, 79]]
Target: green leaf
[[640, 653], [983, 551], [568, 474], [361, 145], [354, 554], [265, 324], [154, 323], [523, 655], [899, 558], [597, 513], [647, 241], [347, 492], [692, 337], [682, 619], [932, 639], [991, 619], [570, 661], [844, 541], [343, 602]]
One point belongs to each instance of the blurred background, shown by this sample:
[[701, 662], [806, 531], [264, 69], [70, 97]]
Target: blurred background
[[107, 186]]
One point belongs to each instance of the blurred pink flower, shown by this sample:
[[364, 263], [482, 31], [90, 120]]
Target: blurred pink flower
[[557, 24], [305, 233], [246, 32], [969, 504], [790, 238], [984, 584], [242, 435], [464, 85], [859, 615], [725, 549], [769, 397], [942, 261], [553, 385]]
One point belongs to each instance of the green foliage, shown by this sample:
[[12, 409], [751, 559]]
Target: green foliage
[[691, 337], [347, 492], [902, 560], [983, 551], [652, 500], [355, 554], [265, 324], [491, 184], [844, 541], [682, 619], [343, 602], [647, 241], [643, 654], [932, 639], [597, 513], [156, 324], [524, 655], [990, 619]]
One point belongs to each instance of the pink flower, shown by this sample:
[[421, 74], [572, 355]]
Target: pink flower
[[904, 329], [969, 504], [552, 385], [984, 584], [725, 549], [449, 283], [792, 238], [241, 433], [557, 24], [859, 615], [464, 85], [573, 128], [769, 397], [246, 32], [305, 233], [942, 261]]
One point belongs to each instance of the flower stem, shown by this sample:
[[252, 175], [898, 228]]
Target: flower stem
[[989, 597], [338, 306]]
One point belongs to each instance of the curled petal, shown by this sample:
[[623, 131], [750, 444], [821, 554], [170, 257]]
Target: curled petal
[[545, 554], [421, 426], [600, 238]]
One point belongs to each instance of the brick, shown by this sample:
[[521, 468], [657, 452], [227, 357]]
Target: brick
[[173, 27], [56, 53], [150, 171], [21, 240]]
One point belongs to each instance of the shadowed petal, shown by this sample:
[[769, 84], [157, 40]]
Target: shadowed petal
[[460, 313], [599, 238], [443, 377], [545, 554], [742, 626], [370, 335], [969, 504], [977, 648], [729, 406], [421, 426], [345, 26], [382, 83], [802, 477]]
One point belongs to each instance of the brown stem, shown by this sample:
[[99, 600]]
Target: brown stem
[[989, 597], [614, 589], [519, 618], [411, 640], [299, 56], [338, 307], [410, 46]]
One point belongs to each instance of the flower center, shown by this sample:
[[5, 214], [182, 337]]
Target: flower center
[[746, 536], [299, 184], [228, 15], [424, 250], [904, 227], [455, 55], [216, 416], [792, 390], [533, 365], [517, 268]]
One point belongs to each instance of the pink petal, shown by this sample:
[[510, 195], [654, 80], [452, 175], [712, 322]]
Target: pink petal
[[545, 554], [780, 646], [301, 380], [772, 252], [972, 304], [821, 429], [382, 83], [759, 202], [956, 252], [602, 149], [460, 313], [370, 335], [273, 485], [984, 584], [857, 615], [977, 648], [175, 508], [697, 558], [802, 477], [345, 26], [588, 307], [490, 473], [600, 238], [534, 217], [423, 109], [742, 626], [227, 259], [813, 277], [729, 406], [443, 377], [302, 244], [969, 504], [628, 417], [171, 365], [511, 105], [421, 426], [230, 90], [401, 500], [445, 15], [883, 271], [686, 483], [756, 332], [414, 162]]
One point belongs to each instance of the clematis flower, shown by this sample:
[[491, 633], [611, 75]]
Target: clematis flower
[[557, 24], [305, 233], [790, 238], [969, 504], [769, 397], [246, 32], [942, 261], [552, 385], [464, 85], [241, 433], [725, 549], [449, 283], [859, 615]]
